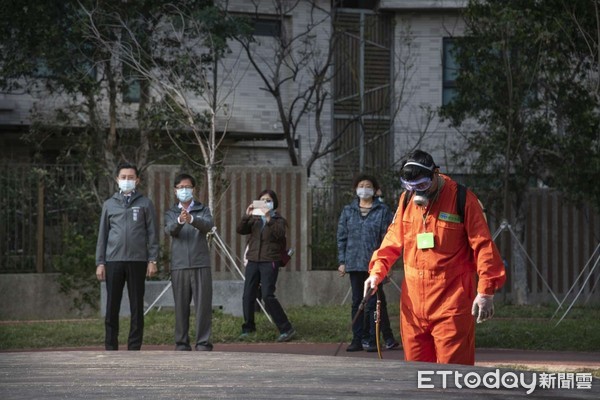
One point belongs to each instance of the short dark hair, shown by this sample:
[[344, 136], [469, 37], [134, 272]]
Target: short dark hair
[[365, 177], [273, 196], [411, 172], [127, 165], [183, 176]]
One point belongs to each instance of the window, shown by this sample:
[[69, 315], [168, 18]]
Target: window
[[449, 71], [267, 27], [356, 4], [131, 87]]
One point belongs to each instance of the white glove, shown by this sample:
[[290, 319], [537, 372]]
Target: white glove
[[485, 302], [370, 284]]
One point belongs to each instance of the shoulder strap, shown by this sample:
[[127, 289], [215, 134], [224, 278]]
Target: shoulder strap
[[461, 200], [407, 196]]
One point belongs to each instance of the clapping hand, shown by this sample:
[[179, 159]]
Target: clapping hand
[[185, 216]]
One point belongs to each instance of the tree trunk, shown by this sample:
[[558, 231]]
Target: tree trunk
[[144, 147]]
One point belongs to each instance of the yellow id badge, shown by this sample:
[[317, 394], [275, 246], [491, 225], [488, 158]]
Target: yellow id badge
[[425, 240]]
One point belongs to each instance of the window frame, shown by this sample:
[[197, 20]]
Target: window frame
[[450, 71]]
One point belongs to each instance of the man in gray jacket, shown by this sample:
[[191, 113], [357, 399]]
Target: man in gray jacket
[[126, 252], [187, 223]]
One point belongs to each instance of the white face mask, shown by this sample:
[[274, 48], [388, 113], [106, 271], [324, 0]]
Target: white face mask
[[364, 193], [269, 205], [126, 186], [185, 194]]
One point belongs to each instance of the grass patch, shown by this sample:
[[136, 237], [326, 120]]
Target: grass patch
[[531, 328], [513, 327]]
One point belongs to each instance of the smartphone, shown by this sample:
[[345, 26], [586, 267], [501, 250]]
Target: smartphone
[[258, 206]]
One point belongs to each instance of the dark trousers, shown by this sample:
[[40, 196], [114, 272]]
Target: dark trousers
[[117, 275], [263, 274], [363, 328], [357, 284]]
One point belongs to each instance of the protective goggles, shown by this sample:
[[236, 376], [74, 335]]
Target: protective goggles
[[420, 185]]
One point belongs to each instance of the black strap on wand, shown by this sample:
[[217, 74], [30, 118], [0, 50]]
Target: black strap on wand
[[359, 312]]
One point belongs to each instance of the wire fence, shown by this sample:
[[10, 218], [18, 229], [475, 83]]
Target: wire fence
[[36, 208]]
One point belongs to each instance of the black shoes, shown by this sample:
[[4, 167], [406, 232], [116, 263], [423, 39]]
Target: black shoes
[[391, 344], [354, 346], [287, 336], [247, 335], [204, 346], [370, 348]]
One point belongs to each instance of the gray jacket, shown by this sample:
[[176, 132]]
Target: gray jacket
[[189, 248], [127, 232], [358, 237]]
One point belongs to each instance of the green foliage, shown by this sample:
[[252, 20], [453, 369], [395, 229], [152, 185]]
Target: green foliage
[[77, 268], [531, 328], [322, 324], [513, 327], [45, 40], [95, 52], [524, 79], [326, 212], [324, 251], [391, 187], [70, 223]]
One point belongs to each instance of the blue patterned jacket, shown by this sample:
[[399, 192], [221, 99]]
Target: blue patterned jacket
[[358, 237]]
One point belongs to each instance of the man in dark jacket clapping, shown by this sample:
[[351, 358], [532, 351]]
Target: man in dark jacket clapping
[[187, 223]]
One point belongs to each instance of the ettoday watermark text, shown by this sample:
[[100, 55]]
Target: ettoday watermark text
[[497, 379]]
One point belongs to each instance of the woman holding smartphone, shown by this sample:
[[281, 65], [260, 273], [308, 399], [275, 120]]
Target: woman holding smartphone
[[266, 230]]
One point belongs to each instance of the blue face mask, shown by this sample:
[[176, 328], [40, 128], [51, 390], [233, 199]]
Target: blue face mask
[[185, 194]]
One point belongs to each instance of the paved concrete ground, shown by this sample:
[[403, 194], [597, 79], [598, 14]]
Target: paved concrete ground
[[534, 359], [553, 360], [257, 373]]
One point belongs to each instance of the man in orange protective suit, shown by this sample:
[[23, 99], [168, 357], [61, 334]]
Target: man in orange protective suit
[[442, 255]]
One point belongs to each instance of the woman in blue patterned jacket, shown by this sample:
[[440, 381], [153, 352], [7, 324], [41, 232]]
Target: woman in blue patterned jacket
[[361, 228]]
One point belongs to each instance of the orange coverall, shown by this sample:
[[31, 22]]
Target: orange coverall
[[439, 283]]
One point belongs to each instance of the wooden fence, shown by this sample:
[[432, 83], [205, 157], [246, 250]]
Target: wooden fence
[[239, 186], [560, 248], [561, 241]]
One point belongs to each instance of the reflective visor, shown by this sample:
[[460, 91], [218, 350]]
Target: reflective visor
[[420, 185]]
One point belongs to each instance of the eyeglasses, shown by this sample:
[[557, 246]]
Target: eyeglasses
[[184, 187], [420, 185]]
